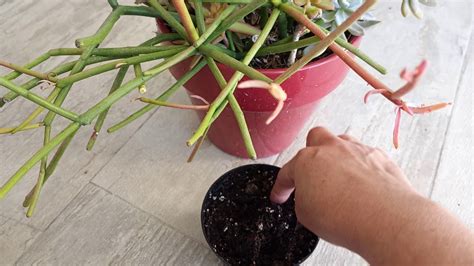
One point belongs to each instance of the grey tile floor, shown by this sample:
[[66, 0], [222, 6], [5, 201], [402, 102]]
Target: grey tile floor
[[134, 199]]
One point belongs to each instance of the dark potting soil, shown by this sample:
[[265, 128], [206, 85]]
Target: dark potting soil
[[273, 61], [280, 60], [244, 227]]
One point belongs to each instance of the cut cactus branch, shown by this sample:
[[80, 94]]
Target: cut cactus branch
[[27, 71], [174, 105]]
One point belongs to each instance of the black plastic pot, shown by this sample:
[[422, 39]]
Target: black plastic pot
[[243, 227]]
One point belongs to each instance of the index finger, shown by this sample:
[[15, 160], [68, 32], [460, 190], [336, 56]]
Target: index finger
[[320, 136], [284, 184]]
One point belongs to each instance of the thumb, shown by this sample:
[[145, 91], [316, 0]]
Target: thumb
[[284, 185]]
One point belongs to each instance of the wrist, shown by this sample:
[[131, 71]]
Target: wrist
[[391, 227]]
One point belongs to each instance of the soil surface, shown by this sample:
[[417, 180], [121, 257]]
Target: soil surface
[[244, 227], [280, 60]]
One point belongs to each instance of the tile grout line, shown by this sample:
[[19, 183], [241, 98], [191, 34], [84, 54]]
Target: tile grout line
[[22, 223], [105, 164], [147, 213], [90, 182], [451, 115]]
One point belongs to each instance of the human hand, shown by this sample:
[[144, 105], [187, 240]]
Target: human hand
[[342, 187], [354, 196]]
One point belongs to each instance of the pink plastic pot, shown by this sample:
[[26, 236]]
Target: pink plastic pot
[[304, 89]]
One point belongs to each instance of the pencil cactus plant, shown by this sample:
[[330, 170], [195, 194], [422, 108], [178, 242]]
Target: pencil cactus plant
[[209, 31]]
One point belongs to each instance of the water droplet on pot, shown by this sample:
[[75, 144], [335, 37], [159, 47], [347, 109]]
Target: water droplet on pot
[[260, 226]]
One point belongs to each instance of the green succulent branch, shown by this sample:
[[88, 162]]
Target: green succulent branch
[[238, 113], [61, 69], [9, 130], [38, 100], [163, 97], [208, 40], [44, 151], [100, 120], [235, 78]]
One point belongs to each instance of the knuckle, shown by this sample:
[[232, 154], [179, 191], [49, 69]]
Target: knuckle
[[315, 132], [301, 153], [306, 152]]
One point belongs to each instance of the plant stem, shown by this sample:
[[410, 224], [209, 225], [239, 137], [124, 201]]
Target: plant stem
[[364, 74], [235, 78], [200, 22], [100, 120], [73, 127], [210, 51], [38, 100], [228, 1], [173, 105], [13, 75], [28, 127], [162, 37], [137, 68], [282, 26], [287, 47], [119, 80], [90, 43], [113, 65], [116, 52], [42, 172], [37, 111], [112, 52], [78, 67], [52, 165], [163, 97], [357, 52], [10, 96], [103, 31], [69, 66], [27, 71], [177, 58], [57, 156], [325, 42], [277, 48], [206, 36], [234, 105], [239, 116], [186, 19], [146, 11], [244, 28], [166, 16], [113, 4], [105, 103], [230, 39], [236, 16]]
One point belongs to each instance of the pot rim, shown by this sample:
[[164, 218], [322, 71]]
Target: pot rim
[[317, 63]]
